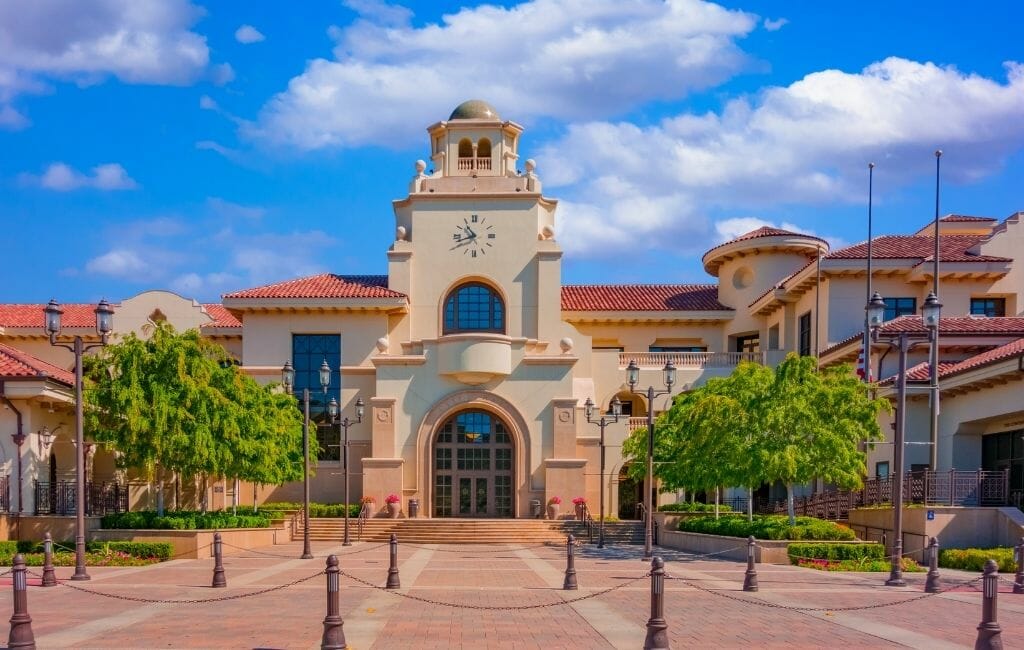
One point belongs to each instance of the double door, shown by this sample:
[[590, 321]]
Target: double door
[[473, 468]]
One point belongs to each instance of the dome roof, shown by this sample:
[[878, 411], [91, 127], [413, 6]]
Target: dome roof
[[474, 109]]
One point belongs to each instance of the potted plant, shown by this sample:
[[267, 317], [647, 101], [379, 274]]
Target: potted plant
[[580, 504], [367, 505], [553, 506], [394, 504]]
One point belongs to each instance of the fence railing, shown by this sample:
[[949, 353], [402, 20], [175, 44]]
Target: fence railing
[[689, 359], [100, 498], [949, 488]]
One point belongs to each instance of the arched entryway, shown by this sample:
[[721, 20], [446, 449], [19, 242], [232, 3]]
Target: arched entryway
[[473, 461]]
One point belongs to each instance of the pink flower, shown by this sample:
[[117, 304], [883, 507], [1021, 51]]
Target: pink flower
[[555, 501], [392, 498], [579, 501]]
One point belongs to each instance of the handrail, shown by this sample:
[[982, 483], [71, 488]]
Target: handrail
[[364, 514]]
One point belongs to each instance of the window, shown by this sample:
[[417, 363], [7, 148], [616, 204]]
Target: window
[[309, 351], [805, 334], [896, 307], [474, 308], [882, 469], [677, 348], [773, 337], [988, 306], [749, 343]]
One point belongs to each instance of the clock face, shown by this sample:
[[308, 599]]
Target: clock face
[[474, 236]]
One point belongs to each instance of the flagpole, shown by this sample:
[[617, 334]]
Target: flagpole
[[933, 460], [867, 329]]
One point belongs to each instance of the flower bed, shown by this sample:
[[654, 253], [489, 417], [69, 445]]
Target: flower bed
[[767, 527], [973, 559], [97, 553], [184, 520], [865, 564]]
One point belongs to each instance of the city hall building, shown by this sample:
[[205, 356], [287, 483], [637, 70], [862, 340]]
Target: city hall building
[[474, 360]]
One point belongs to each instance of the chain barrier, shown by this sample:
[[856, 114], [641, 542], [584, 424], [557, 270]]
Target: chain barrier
[[189, 601], [442, 603], [292, 557], [7, 572], [1012, 583], [851, 608]]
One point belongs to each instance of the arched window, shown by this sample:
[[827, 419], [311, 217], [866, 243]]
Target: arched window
[[465, 148], [483, 148], [474, 307]]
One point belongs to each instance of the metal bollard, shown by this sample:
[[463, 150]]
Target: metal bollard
[[21, 623], [49, 579], [570, 564], [1018, 580], [932, 584], [989, 632], [657, 628], [218, 563], [393, 580], [750, 578], [334, 627]]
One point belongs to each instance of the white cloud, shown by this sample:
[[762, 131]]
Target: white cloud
[[567, 59], [805, 143], [119, 262], [207, 103], [775, 25], [247, 34], [223, 208], [221, 73], [61, 177], [136, 41]]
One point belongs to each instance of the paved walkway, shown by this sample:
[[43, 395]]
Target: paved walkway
[[507, 597]]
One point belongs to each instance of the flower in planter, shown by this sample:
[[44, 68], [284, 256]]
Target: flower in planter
[[555, 501], [392, 498], [579, 501], [368, 499]]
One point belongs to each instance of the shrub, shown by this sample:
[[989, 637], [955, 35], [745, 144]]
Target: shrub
[[768, 527], [973, 559], [693, 507], [826, 551], [185, 520]]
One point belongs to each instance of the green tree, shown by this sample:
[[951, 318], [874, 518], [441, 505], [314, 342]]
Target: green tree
[[176, 402]]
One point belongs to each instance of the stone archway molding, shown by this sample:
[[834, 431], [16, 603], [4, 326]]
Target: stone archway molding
[[461, 401]]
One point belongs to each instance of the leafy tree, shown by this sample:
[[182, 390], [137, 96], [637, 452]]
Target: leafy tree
[[176, 402], [791, 424]]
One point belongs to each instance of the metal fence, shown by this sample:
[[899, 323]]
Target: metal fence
[[100, 498], [5, 493], [950, 488]]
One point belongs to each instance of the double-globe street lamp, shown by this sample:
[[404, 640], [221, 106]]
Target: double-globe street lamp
[[632, 377], [332, 410], [902, 341], [288, 379], [603, 421], [104, 326]]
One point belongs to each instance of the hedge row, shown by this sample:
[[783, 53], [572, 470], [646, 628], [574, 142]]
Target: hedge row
[[316, 510], [693, 507], [767, 527], [155, 550], [973, 559], [184, 520], [826, 551]]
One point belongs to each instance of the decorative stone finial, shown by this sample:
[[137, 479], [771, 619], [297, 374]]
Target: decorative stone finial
[[547, 232], [382, 344], [420, 166], [400, 233], [531, 165], [566, 345]]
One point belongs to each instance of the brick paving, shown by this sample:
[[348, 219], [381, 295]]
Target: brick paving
[[704, 603]]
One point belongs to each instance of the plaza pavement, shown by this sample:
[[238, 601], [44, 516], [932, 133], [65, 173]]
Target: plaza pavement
[[704, 603]]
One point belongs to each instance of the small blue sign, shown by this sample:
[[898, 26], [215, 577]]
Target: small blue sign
[[931, 515]]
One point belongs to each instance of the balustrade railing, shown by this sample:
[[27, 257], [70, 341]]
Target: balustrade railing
[[658, 360], [100, 498], [469, 164]]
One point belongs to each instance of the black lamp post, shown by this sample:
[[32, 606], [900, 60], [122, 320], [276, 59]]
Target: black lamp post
[[104, 326], [633, 376], [333, 409], [605, 419], [903, 341], [288, 379]]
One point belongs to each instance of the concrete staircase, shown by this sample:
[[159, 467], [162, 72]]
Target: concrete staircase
[[467, 531]]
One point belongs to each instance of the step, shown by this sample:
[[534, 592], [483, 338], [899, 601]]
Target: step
[[468, 531]]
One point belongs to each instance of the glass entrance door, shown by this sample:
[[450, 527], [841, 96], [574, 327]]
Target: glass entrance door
[[473, 467]]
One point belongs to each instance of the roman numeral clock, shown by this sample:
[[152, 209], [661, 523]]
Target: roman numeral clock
[[474, 236]]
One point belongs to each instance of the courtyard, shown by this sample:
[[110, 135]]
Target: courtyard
[[477, 596]]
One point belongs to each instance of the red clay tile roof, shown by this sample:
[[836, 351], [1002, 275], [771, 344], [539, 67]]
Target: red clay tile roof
[[221, 316], [641, 297], [325, 285], [961, 325], [765, 231], [952, 248], [964, 218], [16, 364], [921, 371], [32, 316]]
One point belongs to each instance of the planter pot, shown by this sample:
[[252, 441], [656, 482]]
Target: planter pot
[[579, 513], [552, 511], [394, 509]]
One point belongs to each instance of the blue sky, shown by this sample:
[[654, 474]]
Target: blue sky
[[209, 146]]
